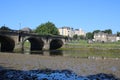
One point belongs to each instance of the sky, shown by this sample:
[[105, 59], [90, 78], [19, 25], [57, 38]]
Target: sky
[[88, 15]]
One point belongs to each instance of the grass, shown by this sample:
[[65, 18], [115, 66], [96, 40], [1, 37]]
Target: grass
[[84, 44], [27, 44], [83, 49]]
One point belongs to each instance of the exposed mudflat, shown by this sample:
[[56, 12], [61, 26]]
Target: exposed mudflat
[[80, 66]]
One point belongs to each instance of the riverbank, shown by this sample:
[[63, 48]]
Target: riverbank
[[80, 66], [83, 49]]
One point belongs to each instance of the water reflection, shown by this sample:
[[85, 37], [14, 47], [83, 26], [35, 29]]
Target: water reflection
[[45, 52], [56, 53], [82, 53], [36, 52]]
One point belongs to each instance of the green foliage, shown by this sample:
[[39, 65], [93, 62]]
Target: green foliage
[[82, 37], [75, 36], [96, 31], [47, 29], [118, 33], [27, 44], [89, 35], [109, 31], [4, 28]]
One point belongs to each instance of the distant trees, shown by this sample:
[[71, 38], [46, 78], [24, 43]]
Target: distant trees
[[82, 37], [118, 33], [4, 28], [78, 37], [90, 35], [109, 31], [96, 31], [75, 36], [47, 28]]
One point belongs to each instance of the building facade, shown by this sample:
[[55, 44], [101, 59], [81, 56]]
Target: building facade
[[104, 37], [67, 31], [79, 32], [100, 37]]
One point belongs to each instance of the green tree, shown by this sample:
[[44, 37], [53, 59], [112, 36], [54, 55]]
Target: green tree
[[75, 36], [118, 33], [96, 31], [89, 35], [109, 31], [82, 37], [4, 28], [47, 29]]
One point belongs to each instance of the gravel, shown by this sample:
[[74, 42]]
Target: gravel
[[48, 74]]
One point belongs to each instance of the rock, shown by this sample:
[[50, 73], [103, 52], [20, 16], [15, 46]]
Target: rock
[[48, 74]]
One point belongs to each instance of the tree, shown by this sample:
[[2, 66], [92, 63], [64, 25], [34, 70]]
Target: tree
[[118, 33], [109, 31], [96, 31], [75, 36], [82, 37], [4, 28], [47, 29], [89, 35]]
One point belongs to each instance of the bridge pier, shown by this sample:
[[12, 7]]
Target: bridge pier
[[46, 44], [0, 47], [18, 47]]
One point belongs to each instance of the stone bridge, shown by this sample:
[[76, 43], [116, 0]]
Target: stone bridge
[[14, 40]]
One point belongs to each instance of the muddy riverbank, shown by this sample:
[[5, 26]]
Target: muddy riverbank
[[80, 66]]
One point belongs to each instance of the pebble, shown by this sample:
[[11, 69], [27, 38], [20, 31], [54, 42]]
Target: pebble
[[48, 74]]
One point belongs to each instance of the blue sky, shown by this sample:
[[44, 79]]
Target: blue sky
[[89, 15]]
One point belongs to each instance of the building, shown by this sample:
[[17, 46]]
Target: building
[[100, 37], [104, 37], [26, 29], [118, 38], [67, 31], [79, 32], [112, 38]]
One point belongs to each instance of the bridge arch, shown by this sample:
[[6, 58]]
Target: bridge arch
[[35, 43], [55, 44], [7, 44]]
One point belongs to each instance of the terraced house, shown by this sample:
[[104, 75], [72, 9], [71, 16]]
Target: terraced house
[[105, 37]]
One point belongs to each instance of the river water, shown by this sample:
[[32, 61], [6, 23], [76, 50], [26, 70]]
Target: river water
[[82, 53]]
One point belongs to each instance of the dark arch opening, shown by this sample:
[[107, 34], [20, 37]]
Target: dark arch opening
[[7, 44], [36, 44], [55, 44]]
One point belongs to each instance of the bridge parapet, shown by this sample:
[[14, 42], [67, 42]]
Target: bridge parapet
[[38, 42]]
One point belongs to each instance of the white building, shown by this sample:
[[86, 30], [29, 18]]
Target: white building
[[80, 32], [117, 38], [67, 31]]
